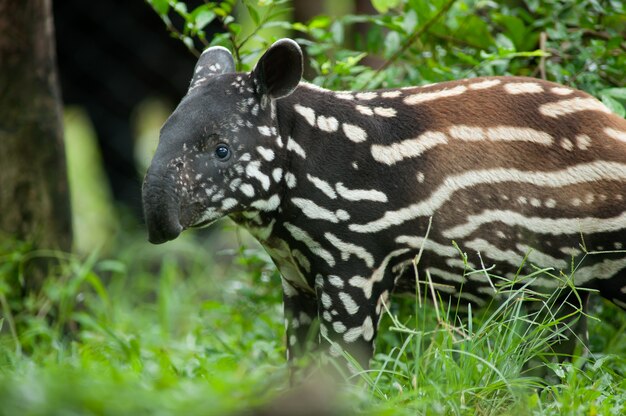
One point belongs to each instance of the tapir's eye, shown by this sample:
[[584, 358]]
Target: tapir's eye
[[222, 152]]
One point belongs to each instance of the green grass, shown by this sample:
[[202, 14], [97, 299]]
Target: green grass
[[175, 330]]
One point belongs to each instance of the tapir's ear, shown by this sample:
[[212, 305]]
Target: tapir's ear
[[279, 70], [215, 60]]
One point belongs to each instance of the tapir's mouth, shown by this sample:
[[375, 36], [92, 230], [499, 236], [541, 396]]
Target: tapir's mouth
[[192, 218], [202, 224]]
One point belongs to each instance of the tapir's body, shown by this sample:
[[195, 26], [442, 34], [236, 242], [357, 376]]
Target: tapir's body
[[340, 187]]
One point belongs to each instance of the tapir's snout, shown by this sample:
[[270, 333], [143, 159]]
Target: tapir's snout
[[161, 208]]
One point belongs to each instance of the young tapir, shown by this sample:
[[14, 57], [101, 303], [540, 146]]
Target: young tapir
[[339, 187]]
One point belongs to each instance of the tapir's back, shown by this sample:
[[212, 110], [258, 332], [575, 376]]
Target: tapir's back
[[505, 166], [510, 167]]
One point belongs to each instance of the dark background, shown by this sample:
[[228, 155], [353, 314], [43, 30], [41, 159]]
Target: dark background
[[113, 54]]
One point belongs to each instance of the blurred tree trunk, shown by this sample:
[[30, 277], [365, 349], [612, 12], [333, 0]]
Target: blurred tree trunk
[[303, 10], [34, 195]]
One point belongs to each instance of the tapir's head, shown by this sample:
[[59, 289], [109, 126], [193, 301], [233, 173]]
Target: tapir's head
[[220, 151]]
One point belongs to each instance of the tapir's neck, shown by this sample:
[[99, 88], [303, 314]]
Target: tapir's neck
[[322, 127], [309, 111]]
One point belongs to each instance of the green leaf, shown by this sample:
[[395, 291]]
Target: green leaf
[[475, 32], [235, 28], [410, 21], [504, 43], [160, 6], [254, 14], [299, 27], [337, 31], [204, 18], [619, 93], [226, 6], [112, 266], [188, 42], [392, 43], [514, 29], [383, 6], [319, 22], [613, 105], [181, 9]]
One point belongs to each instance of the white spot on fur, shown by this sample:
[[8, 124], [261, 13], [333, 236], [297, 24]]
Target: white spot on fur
[[523, 88], [467, 133], [290, 180], [335, 281], [315, 247], [323, 186], [265, 131], [348, 303], [354, 133], [550, 203], [252, 170], [573, 105], [364, 110], [313, 211], [367, 285], [360, 194], [342, 215], [395, 152], [561, 90], [306, 112], [615, 134], [293, 146], [523, 134], [339, 327], [391, 94], [385, 111], [277, 174], [344, 96], [228, 203], [583, 141], [368, 329], [327, 124], [366, 96], [348, 249], [247, 190], [267, 205], [567, 144], [488, 83], [267, 154], [326, 301], [423, 97]]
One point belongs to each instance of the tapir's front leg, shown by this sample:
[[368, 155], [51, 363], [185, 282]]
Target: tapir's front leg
[[301, 315], [350, 310]]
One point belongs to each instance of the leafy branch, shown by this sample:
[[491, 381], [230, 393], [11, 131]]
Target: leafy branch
[[419, 31]]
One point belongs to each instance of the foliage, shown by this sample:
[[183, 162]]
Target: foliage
[[167, 332], [172, 331], [413, 42]]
